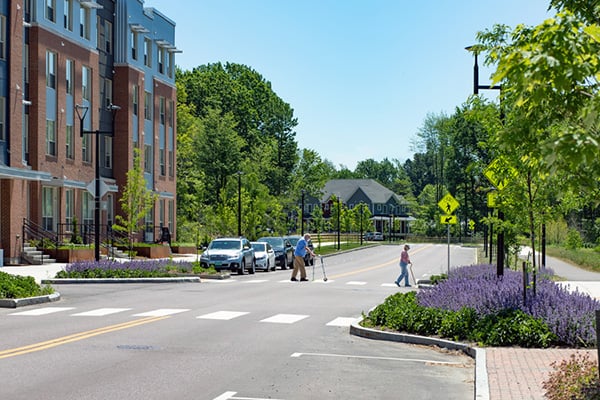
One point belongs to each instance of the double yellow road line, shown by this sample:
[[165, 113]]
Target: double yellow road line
[[76, 337]]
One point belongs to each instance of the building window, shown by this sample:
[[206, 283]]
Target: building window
[[69, 208], [2, 118], [135, 96], [2, 37], [161, 109], [50, 69], [147, 105], [68, 18], [86, 155], [161, 212], [50, 138], [85, 83], [171, 65], [147, 52], [50, 10], [134, 45], [161, 60], [69, 76], [87, 208], [171, 215], [147, 158], [108, 36], [48, 208], [110, 206], [69, 142], [84, 23], [171, 164], [170, 112], [161, 158], [108, 152], [107, 93]]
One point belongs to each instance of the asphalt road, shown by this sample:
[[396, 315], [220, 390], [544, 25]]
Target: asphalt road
[[250, 337]]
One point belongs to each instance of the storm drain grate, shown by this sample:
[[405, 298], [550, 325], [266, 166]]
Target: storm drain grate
[[134, 347]]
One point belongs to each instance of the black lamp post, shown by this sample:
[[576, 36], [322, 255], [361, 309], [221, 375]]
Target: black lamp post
[[338, 222], [239, 174], [302, 213], [476, 87], [361, 222], [113, 109]]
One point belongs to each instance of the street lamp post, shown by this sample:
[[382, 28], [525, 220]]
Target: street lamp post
[[338, 222], [239, 174], [83, 108], [302, 214], [500, 238]]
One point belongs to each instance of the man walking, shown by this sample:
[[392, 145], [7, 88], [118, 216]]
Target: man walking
[[299, 253]]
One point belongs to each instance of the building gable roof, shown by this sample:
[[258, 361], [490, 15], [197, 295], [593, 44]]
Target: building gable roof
[[346, 188]]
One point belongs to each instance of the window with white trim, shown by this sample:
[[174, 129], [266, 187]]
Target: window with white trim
[[147, 158], [70, 153], [3, 28], [69, 208], [135, 99], [148, 52], [68, 15], [84, 23], [86, 83], [50, 12], [51, 69], [48, 207], [50, 138], [134, 45], [108, 150], [69, 75], [147, 106]]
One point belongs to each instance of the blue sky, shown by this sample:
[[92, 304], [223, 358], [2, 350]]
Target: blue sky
[[361, 75]]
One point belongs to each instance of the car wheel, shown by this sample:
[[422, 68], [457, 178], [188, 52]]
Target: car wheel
[[242, 268], [252, 267]]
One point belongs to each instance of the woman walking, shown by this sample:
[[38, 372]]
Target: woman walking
[[404, 261]]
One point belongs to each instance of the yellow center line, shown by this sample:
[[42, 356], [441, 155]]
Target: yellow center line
[[76, 337], [385, 264]]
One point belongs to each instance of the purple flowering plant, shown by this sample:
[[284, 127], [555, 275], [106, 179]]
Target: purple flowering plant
[[128, 269], [570, 316]]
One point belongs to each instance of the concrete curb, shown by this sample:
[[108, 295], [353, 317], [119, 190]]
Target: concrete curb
[[120, 280], [28, 301], [482, 387]]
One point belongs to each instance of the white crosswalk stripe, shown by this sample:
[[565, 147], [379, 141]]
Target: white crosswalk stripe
[[43, 311], [343, 321], [223, 315], [100, 312], [357, 283], [284, 318], [161, 312]]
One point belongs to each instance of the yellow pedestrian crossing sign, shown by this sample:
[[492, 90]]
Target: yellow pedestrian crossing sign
[[471, 224], [448, 204], [499, 173], [448, 219]]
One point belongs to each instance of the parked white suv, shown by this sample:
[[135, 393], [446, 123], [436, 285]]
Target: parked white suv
[[234, 254]]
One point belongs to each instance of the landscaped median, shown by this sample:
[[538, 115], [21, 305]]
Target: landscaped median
[[17, 291]]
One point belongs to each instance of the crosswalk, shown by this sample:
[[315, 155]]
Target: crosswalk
[[287, 281], [222, 315]]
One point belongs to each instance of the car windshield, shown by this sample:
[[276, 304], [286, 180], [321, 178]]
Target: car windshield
[[225, 245], [293, 240], [273, 241], [259, 246]]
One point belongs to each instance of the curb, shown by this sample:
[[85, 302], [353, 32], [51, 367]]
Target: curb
[[27, 301], [120, 280], [482, 387]]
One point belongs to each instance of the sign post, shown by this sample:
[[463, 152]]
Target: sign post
[[448, 204]]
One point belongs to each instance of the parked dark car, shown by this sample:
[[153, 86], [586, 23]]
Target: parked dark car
[[234, 254], [308, 259], [284, 251]]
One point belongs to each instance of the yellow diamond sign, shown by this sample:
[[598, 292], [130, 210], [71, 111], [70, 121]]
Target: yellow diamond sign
[[499, 173], [448, 204]]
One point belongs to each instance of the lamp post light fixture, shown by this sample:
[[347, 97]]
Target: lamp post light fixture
[[82, 111], [239, 221], [476, 86]]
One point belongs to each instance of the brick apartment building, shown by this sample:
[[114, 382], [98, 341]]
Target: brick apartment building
[[67, 61]]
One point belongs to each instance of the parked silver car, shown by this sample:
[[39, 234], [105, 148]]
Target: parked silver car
[[264, 256], [234, 254]]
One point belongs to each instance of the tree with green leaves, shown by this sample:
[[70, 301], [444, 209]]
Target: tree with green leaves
[[136, 200]]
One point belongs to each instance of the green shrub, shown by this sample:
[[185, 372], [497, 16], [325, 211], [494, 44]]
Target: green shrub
[[18, 287], [512, 328], [573, 240], [573, 379]]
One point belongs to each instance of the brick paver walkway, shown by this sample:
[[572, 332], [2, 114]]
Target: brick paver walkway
[[518, 374]]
